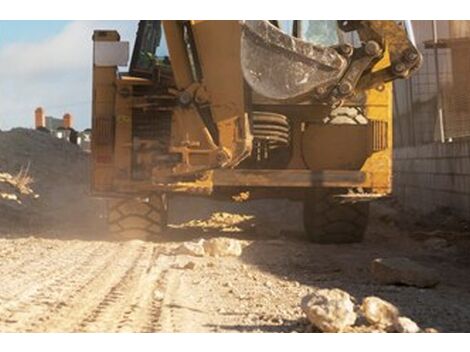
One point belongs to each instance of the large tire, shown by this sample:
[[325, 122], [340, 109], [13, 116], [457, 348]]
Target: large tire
[[138, 218], [327, 220]]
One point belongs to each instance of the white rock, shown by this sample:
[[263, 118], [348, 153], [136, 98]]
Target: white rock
[[406, 325], [379, 312], [223, 247], [195, 249], [158, 295], [329, 310]]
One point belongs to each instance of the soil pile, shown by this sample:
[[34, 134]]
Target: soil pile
[[48, 182]]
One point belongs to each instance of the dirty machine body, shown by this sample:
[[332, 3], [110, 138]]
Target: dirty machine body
[[244, 110]]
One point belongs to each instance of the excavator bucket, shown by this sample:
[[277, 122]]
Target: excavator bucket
[[284, 68]]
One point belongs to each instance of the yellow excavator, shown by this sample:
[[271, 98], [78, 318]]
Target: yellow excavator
[[244, 110]]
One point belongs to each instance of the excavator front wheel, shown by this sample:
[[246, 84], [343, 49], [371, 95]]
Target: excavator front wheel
[[327, 220], [143, 218]]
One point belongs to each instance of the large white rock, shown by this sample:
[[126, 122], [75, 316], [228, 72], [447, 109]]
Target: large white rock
[[195, 249], [403, 271], [379, 312], [406, 325], [330, 310], [223, 247]]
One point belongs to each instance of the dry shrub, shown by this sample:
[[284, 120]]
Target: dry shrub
[[23, 180]]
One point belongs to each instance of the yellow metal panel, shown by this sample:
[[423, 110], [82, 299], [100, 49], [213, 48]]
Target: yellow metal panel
[[102, 115], [379, 107], [178, 54], [218, 44], [123, 135], [335, 147]]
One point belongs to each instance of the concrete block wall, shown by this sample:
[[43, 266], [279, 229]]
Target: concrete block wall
[[431, 176]]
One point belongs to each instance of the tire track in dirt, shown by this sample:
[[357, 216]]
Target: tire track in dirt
[[117, 297], [85, 286], [144, 302], [90, 288], [59, 292], [180, 312], [28, 305], [108, 312], [169, 320], [26, 258], [23, 278]]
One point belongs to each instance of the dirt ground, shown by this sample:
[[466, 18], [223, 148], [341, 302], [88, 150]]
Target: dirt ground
[[61, 272]]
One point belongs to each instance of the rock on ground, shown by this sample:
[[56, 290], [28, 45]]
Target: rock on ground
[[195, 249], [223, 247], [188, 264], [379, 312], [403, 271], [330, 310], [406, 325]]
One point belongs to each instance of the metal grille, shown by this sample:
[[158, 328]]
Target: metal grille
[[434, 105], [103, 130]]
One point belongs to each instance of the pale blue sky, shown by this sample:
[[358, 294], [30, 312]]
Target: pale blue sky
[[28, 31], [48, 63]]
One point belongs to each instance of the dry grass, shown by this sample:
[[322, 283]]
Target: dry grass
[[12, 187], [23, 180]]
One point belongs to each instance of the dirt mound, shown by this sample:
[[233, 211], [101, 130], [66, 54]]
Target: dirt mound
[[49, 160], [56, 174]]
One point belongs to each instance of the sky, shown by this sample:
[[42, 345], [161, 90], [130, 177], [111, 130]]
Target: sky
[[49, 64]]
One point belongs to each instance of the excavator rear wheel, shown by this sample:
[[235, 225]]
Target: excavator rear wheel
[[327, 220], [142, 218]]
